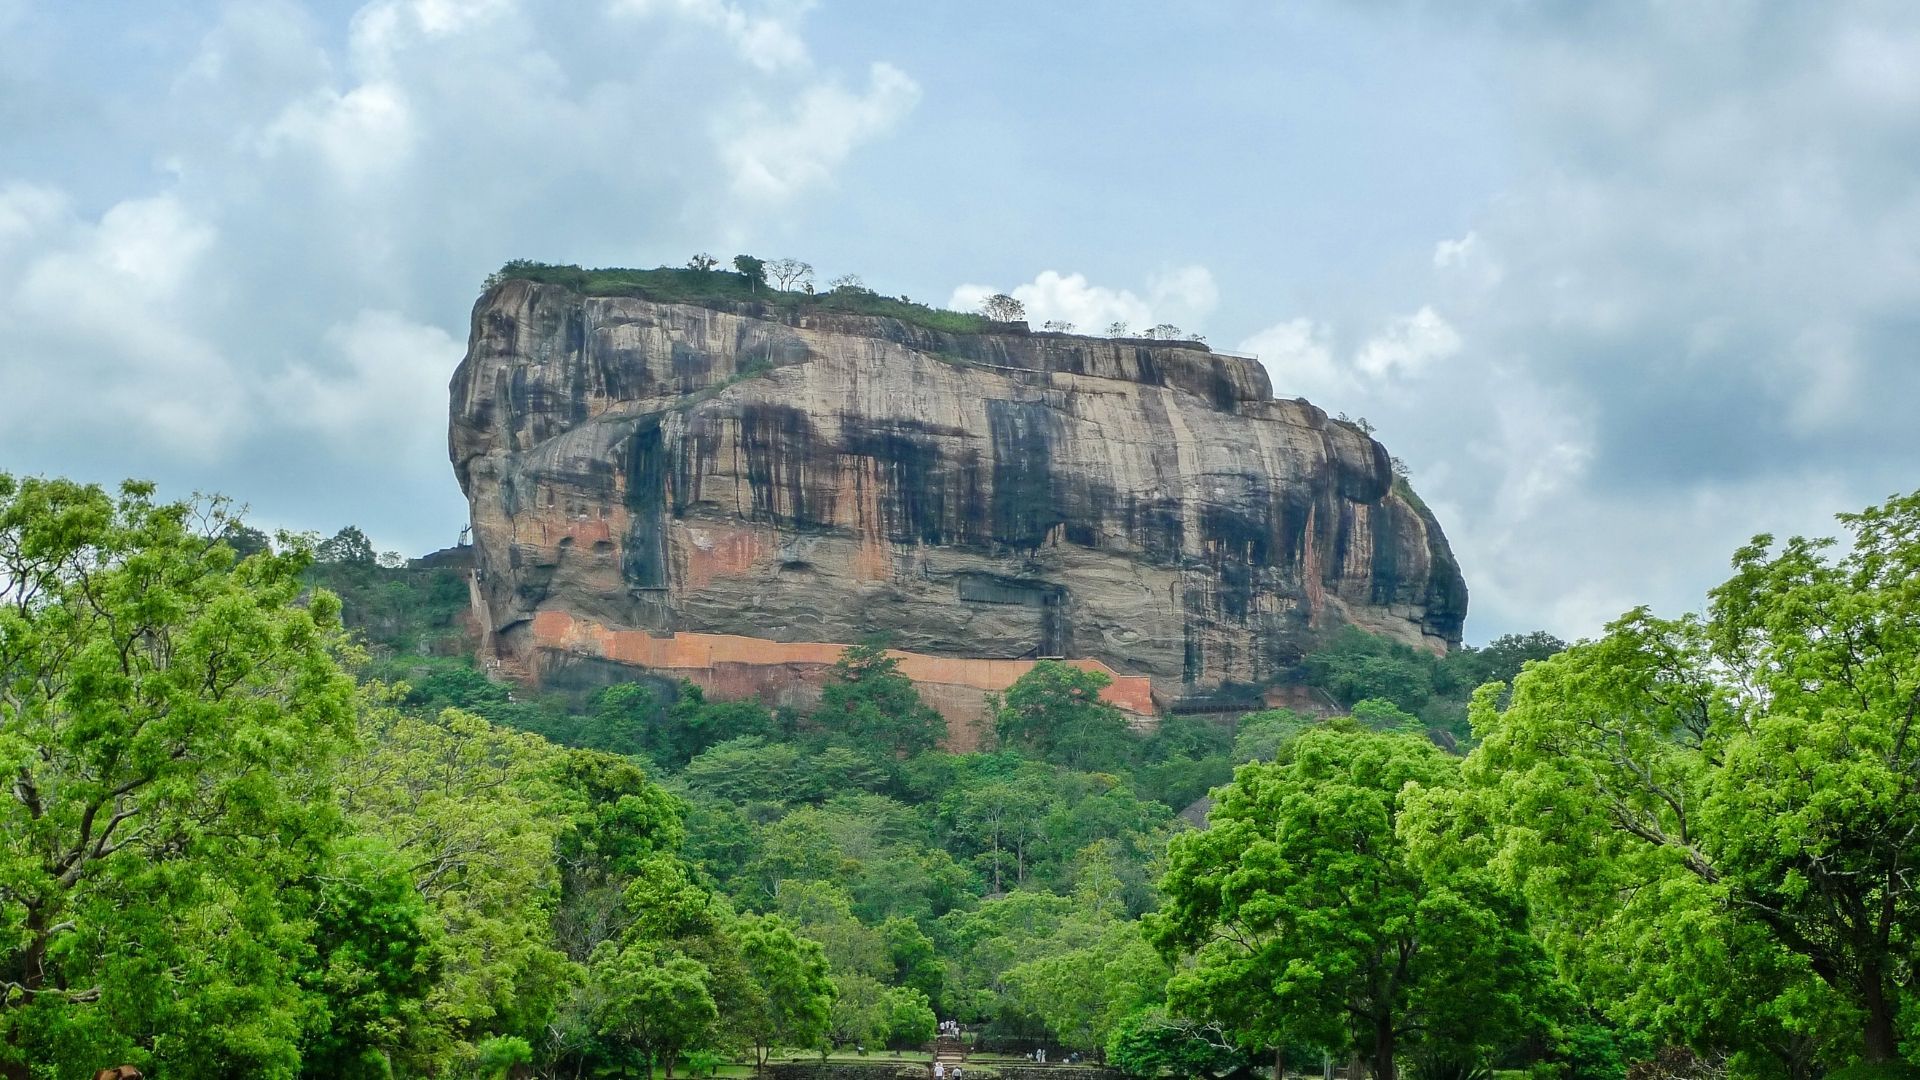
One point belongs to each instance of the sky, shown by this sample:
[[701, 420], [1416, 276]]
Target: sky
[[1622, 284]]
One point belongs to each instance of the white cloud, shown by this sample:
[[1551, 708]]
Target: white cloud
[[26, 210], [1182, 296], [1298, 355], [1407, 346], [385, 390], [361, 135], [1301, 356], [774, 157], [769, 40], [268, 296], [103, 320], [381, 31]]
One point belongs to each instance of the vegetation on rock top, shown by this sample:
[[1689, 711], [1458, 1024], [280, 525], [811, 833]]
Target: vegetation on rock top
[[715, 287]]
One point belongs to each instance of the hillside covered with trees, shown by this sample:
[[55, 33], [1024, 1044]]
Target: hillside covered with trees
[[265, 818]]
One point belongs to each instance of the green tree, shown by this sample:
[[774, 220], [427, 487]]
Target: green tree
[[376, 957], [503, 1056], [1003, 308], [1737, 793], [624, 720], [244, 539], [792, 993], [659, 1006], [1005, 819], [916, 962], [349, 546], [867, 700], [1262, 734], [693, 725], [1083, 994], [1150, 1042], [1357, 665], [822, 912], [1505, 656], [862, 1012], [754, 270], [749, 770], [620, 823], [479, 815], [166, 718], [910, 1017], [1308, 921], [1055, 711], [1379, 714]]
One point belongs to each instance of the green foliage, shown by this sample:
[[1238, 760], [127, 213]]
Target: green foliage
[[1377, 714], [377, 955], [751, 770], [401, 614], [166, 716], [1357, 666], [217, 858], [1308, 918], [910, 1018], [479, 813], [502, 1056], [349, 547], [1714, 815], [746, 283], [655, 1007], [1083, 994], [1880, 1070], [1262, 734], [870, 703], [792, 995], [1149, 1043], [753, 270], [1054, 711]]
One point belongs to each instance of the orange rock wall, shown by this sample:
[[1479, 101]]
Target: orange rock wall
[[793, 672]]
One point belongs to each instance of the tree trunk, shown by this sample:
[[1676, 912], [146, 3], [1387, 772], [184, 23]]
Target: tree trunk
[[1383, 1048], [1279, 1064], [1882, 1042]]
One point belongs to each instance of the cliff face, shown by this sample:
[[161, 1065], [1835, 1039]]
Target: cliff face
[[664, 467]]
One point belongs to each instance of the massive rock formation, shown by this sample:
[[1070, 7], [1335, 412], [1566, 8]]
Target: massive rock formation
[[636, 466]]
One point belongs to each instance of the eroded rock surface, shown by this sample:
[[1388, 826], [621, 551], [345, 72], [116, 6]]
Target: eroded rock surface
[[668, 467]]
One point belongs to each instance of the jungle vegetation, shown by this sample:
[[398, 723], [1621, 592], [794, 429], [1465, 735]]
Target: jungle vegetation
[[263, 817]]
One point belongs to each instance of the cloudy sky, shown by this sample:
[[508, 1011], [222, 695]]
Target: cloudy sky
[[1622, 283]]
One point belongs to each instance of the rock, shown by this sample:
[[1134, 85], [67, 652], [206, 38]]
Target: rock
[[662, 467]]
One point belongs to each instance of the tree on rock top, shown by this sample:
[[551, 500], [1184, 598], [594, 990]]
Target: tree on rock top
[[754, 270], [1003, 308]]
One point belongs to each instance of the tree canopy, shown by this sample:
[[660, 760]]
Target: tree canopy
[[259, 822], [1308, 919], [1716, 816]]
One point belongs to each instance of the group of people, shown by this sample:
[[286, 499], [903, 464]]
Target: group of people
[[950, 1029]]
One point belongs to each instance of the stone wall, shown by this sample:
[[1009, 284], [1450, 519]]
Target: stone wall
[[793, 673]]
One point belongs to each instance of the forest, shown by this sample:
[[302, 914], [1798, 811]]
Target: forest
[[265, 818]]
